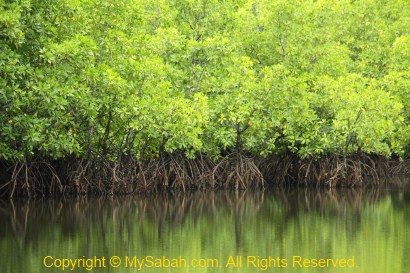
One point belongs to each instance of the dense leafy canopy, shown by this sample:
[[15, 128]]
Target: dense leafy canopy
[[95, 78]]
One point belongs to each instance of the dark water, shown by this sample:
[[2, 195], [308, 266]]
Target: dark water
[[286, 230]]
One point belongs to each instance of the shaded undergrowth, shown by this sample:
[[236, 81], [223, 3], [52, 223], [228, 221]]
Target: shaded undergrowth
[[176, 171]]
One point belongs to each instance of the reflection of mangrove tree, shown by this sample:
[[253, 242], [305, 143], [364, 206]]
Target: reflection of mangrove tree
[[125, 96], [365, 223], [153, 213]]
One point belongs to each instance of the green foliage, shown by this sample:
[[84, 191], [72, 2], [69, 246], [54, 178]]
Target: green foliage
[[99, 79], [364, 116]]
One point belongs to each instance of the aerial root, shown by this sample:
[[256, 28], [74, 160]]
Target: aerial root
[[237, 171], [177, 171]]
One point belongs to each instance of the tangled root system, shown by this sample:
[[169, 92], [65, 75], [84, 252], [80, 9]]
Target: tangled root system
[[176, 171]]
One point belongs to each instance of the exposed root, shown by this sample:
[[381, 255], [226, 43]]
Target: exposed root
[[32, 178], [237, 171], [336, 170], [278, 170], [176, 171]]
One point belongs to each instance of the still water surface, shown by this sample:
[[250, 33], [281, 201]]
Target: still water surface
[[362, 230]]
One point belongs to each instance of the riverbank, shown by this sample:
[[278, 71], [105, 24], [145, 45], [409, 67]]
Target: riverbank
[[176, 171], [111, 99]]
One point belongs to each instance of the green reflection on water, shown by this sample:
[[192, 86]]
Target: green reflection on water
[[369, 225]]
